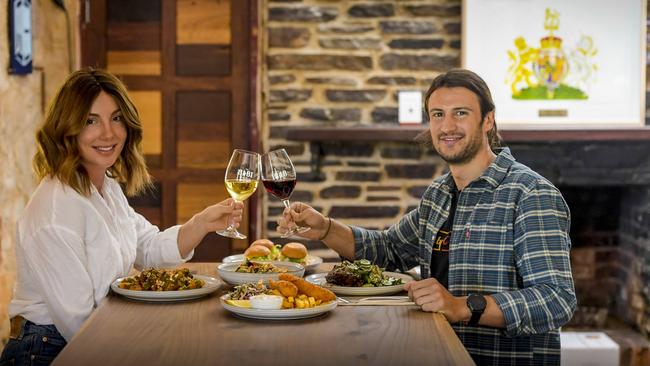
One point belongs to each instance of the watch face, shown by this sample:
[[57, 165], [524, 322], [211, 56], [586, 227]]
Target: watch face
[[476, 302]]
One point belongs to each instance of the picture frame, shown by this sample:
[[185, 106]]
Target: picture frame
[[555, 64]]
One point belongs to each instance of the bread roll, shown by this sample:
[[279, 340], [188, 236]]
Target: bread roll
[[264, 242], [256, 251], [294, 251]]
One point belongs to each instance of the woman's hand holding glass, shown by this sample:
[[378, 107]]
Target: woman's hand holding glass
[[212, 218], [221, 215]]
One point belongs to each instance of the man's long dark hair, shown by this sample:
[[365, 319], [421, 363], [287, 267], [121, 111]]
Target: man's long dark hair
[[461, 78]]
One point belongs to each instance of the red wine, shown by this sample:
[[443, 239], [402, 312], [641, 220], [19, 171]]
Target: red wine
[[280, 188]]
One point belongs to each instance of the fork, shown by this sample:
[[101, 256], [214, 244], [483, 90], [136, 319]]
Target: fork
[[377, 300]]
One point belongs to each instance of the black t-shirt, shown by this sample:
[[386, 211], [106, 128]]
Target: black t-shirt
[[440, 253]]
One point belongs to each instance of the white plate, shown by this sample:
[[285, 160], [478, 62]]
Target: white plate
[[280, 314], [311, 262], [319, 279], [227, 273], [211, 285]]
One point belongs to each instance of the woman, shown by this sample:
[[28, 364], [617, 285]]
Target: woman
[[78, 232]]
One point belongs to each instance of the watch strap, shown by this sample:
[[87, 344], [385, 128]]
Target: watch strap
[[476, 316]]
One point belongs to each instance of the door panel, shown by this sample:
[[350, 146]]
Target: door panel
[[187, 65], [149, 104], [203, 22]]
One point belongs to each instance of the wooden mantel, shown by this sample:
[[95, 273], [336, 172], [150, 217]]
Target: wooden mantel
[[396, 133], [392, 132]]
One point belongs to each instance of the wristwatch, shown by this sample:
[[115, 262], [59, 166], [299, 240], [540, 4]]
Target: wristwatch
[[476, 304]]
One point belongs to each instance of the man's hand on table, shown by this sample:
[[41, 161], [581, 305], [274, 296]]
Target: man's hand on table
[[431, 296]]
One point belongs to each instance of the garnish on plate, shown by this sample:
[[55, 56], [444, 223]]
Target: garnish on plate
[[245, 291], [258, 267]]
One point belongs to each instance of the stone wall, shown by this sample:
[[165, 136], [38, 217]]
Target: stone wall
[[22, 99], [336, 63]]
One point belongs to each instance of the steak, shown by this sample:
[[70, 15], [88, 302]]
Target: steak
[[341, 277]]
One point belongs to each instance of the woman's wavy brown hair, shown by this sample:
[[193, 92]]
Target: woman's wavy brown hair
[[58, 151]]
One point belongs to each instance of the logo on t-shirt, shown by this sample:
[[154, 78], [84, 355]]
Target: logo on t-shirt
[[441, 243]]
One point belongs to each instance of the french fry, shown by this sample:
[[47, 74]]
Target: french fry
[[299, 301]]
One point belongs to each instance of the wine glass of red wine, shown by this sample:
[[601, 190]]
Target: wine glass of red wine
[[279, 179]]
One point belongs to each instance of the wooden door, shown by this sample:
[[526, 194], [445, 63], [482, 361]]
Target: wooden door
[[189, 66]]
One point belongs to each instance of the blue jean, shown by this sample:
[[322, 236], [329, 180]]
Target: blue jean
[[34, 345]]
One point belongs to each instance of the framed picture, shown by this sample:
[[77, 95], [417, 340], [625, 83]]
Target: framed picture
[[557, 64]]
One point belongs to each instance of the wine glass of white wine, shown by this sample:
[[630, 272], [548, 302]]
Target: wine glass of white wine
[[241, 180]]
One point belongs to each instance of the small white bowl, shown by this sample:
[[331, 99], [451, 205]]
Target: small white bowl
[[266, 302], [227, 272]]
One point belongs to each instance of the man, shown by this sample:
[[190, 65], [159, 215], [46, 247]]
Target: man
[[491, 237]]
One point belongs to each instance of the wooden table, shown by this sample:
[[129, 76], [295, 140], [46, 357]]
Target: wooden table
[[201, 332]]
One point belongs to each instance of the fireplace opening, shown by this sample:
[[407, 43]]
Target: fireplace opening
[[595, 216], [610, 229]]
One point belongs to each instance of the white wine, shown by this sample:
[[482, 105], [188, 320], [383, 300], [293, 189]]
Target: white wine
[[241, 189], [242, 175]]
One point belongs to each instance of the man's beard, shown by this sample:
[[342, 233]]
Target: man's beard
[[467, 154]]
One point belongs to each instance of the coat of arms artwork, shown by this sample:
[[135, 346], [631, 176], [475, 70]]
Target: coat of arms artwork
[[557, 64], [551, 70]]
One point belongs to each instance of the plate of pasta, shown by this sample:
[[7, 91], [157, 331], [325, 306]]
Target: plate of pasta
[[165, 285]]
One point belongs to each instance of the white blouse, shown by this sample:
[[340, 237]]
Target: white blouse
[[70, 248]]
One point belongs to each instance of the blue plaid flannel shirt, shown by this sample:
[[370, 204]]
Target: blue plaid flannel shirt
[[510, 240]]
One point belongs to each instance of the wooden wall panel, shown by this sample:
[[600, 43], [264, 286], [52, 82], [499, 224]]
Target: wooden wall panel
[[153, 160], [149, 105], [203, 22], [133, 11], [203, 154], [202, 106], [200, 60], [213, 248], [152, 214], [133, 62], [194, 197], [197, 131], [149, 204], [129, 36], [203, 138]]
